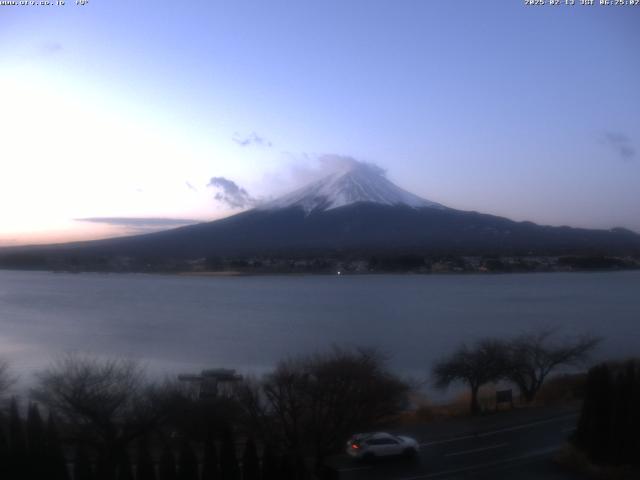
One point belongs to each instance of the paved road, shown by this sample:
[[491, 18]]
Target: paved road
[[515, 445]]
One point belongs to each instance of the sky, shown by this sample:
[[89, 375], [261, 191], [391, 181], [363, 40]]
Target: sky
[[120, 117]]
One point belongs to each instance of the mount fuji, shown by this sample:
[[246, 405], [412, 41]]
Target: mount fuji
[[355, 210], [356, 183]]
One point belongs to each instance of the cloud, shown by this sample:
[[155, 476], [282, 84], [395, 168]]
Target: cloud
[[331, 163], [47, 49], [301, 169], [139, 221], [191, 187], [305, 168], [621, 144], [253, 139], [140, 224], [229, 193]]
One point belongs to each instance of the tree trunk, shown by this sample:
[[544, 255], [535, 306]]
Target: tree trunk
[[529, 394], [475, 405]]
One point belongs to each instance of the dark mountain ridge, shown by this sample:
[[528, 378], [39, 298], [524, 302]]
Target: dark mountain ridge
[[357, 211], [356, 227]]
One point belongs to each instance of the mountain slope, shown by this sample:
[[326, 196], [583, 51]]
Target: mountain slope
[[357, 210], [357, 227]]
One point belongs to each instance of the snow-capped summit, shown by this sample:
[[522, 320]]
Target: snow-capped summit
[[358, 182]]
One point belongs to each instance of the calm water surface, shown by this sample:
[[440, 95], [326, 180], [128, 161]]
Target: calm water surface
[[177, 323]]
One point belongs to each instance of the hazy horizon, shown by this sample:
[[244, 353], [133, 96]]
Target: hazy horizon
[[125, 118]]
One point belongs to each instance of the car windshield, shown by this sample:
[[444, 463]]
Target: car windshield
[[358, 439]]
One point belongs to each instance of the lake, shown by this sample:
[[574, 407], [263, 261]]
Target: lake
[[186, 323]]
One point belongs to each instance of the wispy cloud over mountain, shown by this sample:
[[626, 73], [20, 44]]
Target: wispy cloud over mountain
[[49, 48], [332, 162], [253, 139], [140, 224], [621, 144], [306, 168], [230, 193]]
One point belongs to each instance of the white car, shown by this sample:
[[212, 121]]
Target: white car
[[367, 446]]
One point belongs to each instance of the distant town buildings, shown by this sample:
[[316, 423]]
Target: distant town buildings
[[347, 263]]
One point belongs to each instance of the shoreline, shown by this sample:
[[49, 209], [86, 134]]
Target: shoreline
[[239, 273]]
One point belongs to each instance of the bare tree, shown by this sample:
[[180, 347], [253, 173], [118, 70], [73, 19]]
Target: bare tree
[[482, 363], [6, 379], [285, 392], [533, 356], [103, 403], [194, 416], [311, 404], [350, 390]]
